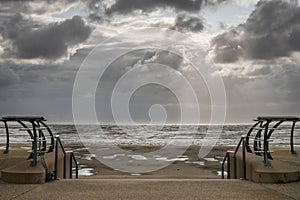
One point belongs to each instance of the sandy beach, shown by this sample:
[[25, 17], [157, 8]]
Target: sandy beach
[[187, 165]]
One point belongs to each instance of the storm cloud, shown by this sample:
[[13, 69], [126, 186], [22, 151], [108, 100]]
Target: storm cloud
[[52, 41], [271, 31], [185, 23], [103, 10], [128, 6]]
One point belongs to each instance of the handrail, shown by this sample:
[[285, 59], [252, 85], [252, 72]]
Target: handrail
[[227, 157], [267, 126], [39, 143], [72, 158], [37, 137], [58, 143]]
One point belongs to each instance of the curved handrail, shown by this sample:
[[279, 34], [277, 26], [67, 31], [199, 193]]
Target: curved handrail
[[39, 142], [264, 123], [248, 134], [51, 136]]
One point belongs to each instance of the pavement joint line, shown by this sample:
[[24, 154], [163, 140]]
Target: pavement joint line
[[153, 180], [270, 188], [25, 192]]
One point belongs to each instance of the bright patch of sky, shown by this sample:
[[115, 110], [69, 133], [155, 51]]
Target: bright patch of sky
[[229, 14], [72, 12]]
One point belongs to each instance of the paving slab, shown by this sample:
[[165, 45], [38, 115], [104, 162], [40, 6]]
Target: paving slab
[[150, 189]]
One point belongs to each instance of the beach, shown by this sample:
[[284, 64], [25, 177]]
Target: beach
[[187, 165]]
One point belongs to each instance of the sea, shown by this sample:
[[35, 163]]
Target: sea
[[152, 135]]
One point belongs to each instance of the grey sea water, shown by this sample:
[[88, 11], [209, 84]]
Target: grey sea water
[[227, 135]]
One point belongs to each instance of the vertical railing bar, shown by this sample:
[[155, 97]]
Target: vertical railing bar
[[228, 167], [244, 159], [224, 160], [76, 170], [56, 159], [234, 163], [65, 163], [222, 171], [71, 170], [34, 161], [292, 138], [266, 146], [7, 138]]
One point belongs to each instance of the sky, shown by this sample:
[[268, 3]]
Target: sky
[[252, 46]]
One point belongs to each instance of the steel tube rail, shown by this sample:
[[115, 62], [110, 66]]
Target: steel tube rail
[[34, 160], [266, 145], [72, 158], [292, 138], [243, 160], [7, 138], [57, 144], [242, 142]]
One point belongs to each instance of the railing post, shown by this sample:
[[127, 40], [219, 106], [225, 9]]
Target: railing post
[[234, 163], [70, 174], [228, 167], [224, 160], [292, 138], [77, 170], [244, 159], [34, 161], [7, 138], [222, 171], [56, 158], [65, 162], [266, 145]]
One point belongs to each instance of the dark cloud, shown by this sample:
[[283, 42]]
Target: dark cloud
[[163, 57], [51, 41], [226, 47], [140, 58], [271, 31], [188, 23], [129, 6], [99, 10]]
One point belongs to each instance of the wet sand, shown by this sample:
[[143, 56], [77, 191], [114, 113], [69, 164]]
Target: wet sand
[[187, 165]]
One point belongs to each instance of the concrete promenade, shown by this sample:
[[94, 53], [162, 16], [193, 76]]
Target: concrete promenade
[[151, 189]]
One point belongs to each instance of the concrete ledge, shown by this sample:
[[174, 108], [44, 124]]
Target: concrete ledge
[[278, 172], [22, 173]]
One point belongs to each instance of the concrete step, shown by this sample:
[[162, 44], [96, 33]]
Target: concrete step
[[280, 171], [23, 173]]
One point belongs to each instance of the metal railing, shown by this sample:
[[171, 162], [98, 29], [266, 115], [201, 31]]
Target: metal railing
[[227, 159], [58, 144], [37, 136], [41, 144], [72, 158]]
